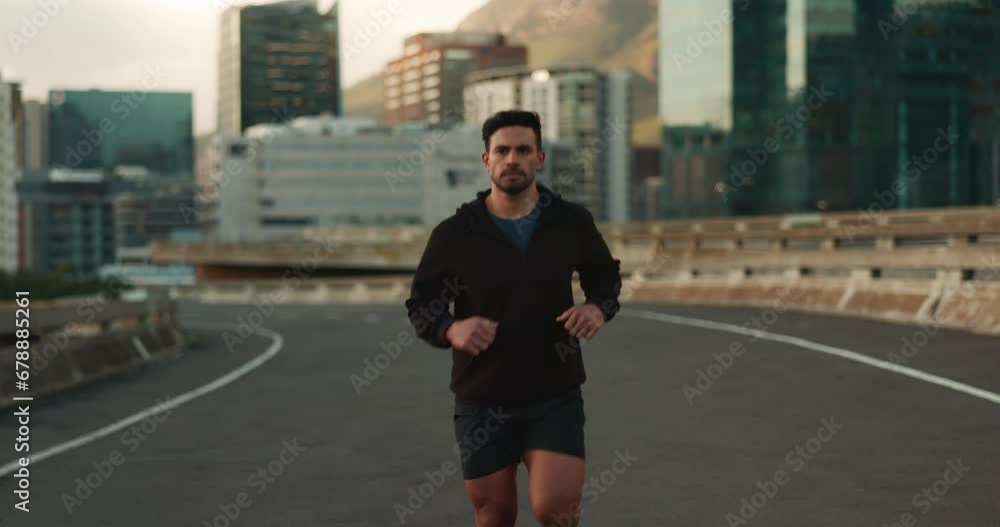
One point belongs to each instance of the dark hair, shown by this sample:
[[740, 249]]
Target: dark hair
[[512, 118]]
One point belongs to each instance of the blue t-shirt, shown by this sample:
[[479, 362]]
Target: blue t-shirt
[[519, 230]]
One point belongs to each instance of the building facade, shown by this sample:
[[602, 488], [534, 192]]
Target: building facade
[[67, 222], [584, 108], [36, 135], [428, 81], [814, 105], [145, 211], [277, 181], [141, 134], [277, 62], [11, 165]]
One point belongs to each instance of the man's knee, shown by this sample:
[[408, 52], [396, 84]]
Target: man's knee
[[495, 511], [560, 510]]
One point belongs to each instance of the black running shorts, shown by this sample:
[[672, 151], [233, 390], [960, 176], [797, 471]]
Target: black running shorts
[[490, 438]]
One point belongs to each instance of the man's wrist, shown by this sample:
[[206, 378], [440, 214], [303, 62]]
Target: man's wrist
[[443, 333]]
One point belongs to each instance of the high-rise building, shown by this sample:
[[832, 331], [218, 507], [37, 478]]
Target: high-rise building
[[141, 144], [813, 105], [277, 62], [67, 222], [132, 135], [145, 211], [36, 135], [206, 158], [427, 82], [587, 109], [11, 165]]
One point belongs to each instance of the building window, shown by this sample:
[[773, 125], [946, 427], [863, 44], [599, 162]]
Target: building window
[[432, 69], [392, 80], [457, 54], [411, 99], [411, 87], [430, 95], [431, 82]]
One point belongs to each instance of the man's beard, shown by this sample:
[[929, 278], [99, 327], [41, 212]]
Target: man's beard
[[514, 185]]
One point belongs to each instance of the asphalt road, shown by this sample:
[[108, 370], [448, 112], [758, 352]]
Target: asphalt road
[[787, 433]]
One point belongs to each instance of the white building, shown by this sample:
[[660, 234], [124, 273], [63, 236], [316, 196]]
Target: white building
[[11, 163], [587, 109], [276, 181]]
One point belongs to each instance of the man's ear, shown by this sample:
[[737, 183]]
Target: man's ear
[[486, 159]]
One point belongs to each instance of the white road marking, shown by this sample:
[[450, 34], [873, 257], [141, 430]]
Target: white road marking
[[821, 348], [173, 402]]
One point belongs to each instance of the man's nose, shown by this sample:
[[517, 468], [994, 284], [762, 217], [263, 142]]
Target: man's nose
[[511, 158]]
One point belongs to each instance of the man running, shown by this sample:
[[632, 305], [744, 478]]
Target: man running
[[506, 261]]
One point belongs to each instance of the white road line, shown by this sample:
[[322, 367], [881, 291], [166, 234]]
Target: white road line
[[822, 348], [173, 402]]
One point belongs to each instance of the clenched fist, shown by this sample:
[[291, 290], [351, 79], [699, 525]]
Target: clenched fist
[[471, 335], [582, 321]]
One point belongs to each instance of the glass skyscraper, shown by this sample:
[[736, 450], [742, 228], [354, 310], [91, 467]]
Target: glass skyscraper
[[277, 62], [122, 132], [779, 106]]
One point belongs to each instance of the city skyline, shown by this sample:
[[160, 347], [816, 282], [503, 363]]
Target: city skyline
[[105, 57]]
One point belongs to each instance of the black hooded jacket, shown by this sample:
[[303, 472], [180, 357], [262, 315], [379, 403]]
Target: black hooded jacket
[[469, 262]]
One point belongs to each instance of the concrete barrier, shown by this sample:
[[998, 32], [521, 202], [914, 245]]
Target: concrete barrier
[[68, 349], [940, 265]]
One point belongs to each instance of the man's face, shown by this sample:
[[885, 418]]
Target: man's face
[[513, 159]]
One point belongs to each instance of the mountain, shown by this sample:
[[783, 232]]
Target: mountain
[[607, 34]]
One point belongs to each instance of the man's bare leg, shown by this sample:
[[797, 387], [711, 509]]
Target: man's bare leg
[[555, 486], [494, 497]]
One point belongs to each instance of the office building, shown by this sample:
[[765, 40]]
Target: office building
[[428, 81], [587, 109], [317, 172], [36, 135], [145, 211], [818, 105], [67, 222], [276, 181], [11, 165], [277, 62], [123, 134], [645, 176]]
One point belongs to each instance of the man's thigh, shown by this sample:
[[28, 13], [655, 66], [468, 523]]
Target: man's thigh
[[555, 486]]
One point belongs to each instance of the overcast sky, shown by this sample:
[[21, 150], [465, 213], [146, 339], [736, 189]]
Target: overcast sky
[[110, 44]]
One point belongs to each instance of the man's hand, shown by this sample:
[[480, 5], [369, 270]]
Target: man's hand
[[582, 321], [471, 335]]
